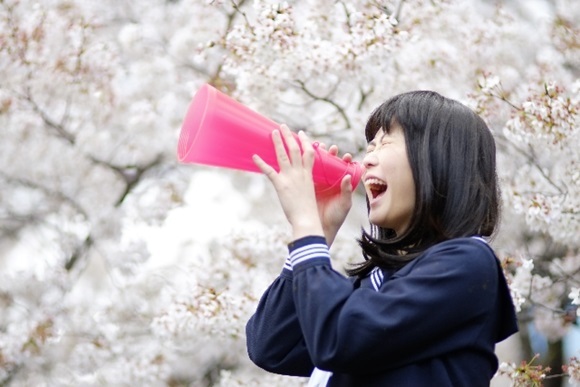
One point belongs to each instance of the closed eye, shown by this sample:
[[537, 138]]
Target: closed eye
[[381, 145], [383, 140]]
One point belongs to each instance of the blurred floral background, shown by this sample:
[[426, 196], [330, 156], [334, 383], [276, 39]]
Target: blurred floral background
[[120, 266]]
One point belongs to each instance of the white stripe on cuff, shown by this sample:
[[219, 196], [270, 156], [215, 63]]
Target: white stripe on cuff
[[305, 253]]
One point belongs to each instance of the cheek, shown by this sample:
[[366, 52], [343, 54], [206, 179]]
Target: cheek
[[410, 187], [407, 183]]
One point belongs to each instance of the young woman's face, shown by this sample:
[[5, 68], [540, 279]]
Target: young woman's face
[[389, 181]]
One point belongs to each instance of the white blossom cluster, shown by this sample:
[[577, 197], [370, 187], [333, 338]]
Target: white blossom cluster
[[317, 62], [216, 294], [543, 296], [549, 124], [550, 116], [522, 376], [333, 67], [573, 371], [240, 379], [537, 131]]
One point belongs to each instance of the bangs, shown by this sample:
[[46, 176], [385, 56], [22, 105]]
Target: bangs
[[382, 118]]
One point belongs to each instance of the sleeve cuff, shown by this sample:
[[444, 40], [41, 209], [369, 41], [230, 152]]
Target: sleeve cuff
[[306, 249]]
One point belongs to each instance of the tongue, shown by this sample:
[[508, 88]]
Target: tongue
[[378, 192]]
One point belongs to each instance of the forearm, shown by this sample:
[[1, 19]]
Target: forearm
[[308, 225], [273, 334], [312, 225]]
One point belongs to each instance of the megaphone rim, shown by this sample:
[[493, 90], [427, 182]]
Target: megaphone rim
[[191, 125]]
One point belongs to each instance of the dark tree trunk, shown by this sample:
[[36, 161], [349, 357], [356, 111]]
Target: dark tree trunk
[[554, 359]]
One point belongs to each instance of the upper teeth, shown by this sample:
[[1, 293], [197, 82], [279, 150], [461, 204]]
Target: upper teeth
[[374, 181]]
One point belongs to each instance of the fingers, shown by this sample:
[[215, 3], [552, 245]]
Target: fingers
[[346, 186], [308, 151], [347, 157], [333, 150], [264, 167], [294, 154], [288, 152], [284, 160], [346, 191]]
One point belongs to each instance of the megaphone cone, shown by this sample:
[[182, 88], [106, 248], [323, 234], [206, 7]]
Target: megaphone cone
[[219, 131]]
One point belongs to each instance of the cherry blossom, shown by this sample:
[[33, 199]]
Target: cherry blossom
[[122, 267]]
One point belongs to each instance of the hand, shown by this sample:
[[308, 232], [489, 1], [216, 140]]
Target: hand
[[334, 209], [293, 184]]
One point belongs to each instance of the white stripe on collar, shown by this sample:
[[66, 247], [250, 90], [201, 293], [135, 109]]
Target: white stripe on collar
[[376, 278], [480, 239]]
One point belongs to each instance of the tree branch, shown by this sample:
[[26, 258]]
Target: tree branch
[[58, 128], [130, 174], [47, 191], [338, 108], [78, 253]]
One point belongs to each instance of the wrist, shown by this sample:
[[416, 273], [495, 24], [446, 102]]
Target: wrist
[[330, 236], [305, 227]]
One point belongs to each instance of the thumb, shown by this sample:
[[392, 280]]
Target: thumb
[[346, 188]]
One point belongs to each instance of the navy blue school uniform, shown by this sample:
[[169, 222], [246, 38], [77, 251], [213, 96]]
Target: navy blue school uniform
[[435, 322]]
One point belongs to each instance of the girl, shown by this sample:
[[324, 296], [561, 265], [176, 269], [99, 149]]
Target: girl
[[429, 301]]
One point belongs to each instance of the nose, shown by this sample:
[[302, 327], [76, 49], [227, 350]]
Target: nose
[[370, 159]]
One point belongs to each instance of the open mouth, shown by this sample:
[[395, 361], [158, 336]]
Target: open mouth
[[376, 187]]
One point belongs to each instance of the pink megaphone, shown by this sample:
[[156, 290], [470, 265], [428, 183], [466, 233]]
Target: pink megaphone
[[219, 131]]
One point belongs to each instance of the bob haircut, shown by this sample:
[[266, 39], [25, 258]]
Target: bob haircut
[[452, 156]]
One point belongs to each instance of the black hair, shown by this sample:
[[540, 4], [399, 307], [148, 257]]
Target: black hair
[[452, 156]]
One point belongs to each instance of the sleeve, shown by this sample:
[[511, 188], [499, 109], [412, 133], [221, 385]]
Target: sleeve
[[435, 307], [273, 336]]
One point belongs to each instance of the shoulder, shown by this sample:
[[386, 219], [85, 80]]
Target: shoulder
[[470, 246], [463, 271], [470, 255]]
